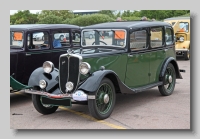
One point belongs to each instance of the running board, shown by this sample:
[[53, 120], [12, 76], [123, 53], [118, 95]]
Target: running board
[[143, 88]]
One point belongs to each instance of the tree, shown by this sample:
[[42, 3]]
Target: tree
[[108, 12], [62, 14], [23, 17], [50, 19]]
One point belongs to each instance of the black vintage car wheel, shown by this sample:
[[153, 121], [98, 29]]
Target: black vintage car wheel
[[187, 55], [42, 108], [169, 81], [102, 106]]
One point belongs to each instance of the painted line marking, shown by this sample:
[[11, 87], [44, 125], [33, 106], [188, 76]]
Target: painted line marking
[[93, 119], [83, 115]]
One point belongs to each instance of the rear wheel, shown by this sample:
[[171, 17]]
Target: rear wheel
[[169, 81], [102, 106], [42, 108]]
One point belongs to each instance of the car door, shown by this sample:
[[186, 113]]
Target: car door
[[158, 52], [138, 60], [36, 52]]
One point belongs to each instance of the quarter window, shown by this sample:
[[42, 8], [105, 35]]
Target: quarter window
[[168, 36], [156, 38], [138, 40], [16, 38]]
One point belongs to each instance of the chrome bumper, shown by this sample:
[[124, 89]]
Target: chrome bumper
[[177, 50], [42, 93]]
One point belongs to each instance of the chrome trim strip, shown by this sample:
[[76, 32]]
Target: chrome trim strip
[[91, 97], [181, 50]]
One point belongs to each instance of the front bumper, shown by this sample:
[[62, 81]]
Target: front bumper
[[42, 93]]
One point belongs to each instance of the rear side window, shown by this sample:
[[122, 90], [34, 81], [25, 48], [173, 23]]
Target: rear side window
[[168, 36], [156, 38], [60, 38], [16, 38], [138, 40], [38, 40]]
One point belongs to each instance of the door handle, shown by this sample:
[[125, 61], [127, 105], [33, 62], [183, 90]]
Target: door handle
[[28, 54], [129, 55]]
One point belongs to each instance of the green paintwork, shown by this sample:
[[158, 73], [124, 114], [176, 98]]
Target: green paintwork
[[16, 85], [156, 59], [116, 62], [137, 70]]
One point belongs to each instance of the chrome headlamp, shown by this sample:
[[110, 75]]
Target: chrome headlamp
[[48, 66], [181, 39], [42, 84], [84, 68]]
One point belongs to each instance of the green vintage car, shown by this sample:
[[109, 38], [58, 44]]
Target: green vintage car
[[128, 60]]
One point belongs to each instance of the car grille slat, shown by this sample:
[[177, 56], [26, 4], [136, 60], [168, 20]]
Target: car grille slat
[[68, 71]]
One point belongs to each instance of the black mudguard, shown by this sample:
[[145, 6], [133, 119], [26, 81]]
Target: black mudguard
[[93, 82], [39, 74], [164, 66]]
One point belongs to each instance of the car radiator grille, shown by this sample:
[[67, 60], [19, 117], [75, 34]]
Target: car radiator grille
[[68, 72]]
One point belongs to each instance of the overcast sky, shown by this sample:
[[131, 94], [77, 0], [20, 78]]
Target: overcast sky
[[35, 11]]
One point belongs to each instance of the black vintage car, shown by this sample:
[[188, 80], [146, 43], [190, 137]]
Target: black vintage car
[[32, 45], [136, 56]]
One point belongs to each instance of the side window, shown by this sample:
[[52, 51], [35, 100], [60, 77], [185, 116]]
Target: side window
[[16, 38], [138, 40], [60, 38], [38, 40], [156, 38], [76, 38], [168, 36]]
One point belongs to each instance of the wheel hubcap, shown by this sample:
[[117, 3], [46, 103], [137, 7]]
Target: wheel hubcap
[[170, 79], [106, 98]]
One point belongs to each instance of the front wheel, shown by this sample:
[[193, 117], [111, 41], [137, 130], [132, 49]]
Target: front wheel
[[187, 55], [169, 81], [42, 108], [102, 106]]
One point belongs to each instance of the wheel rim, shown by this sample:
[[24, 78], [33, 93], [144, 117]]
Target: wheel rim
[[169, 80], [104, 98]]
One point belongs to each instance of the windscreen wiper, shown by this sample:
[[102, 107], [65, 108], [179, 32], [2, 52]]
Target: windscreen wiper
[[99, 34]]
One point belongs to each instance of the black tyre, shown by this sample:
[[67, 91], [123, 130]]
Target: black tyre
[[169, 81], [187, 55], [102, 106], [42, 108]]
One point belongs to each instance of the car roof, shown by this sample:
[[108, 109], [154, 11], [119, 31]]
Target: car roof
[[127, 24], [176, 18], [42, 26]]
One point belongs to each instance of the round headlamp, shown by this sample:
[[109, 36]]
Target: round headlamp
[[181, 39], [42, 84], [84, 68], [69, 86], [48, 66]]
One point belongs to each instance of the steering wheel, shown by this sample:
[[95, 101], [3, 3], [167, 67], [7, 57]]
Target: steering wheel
[[101, 42]]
